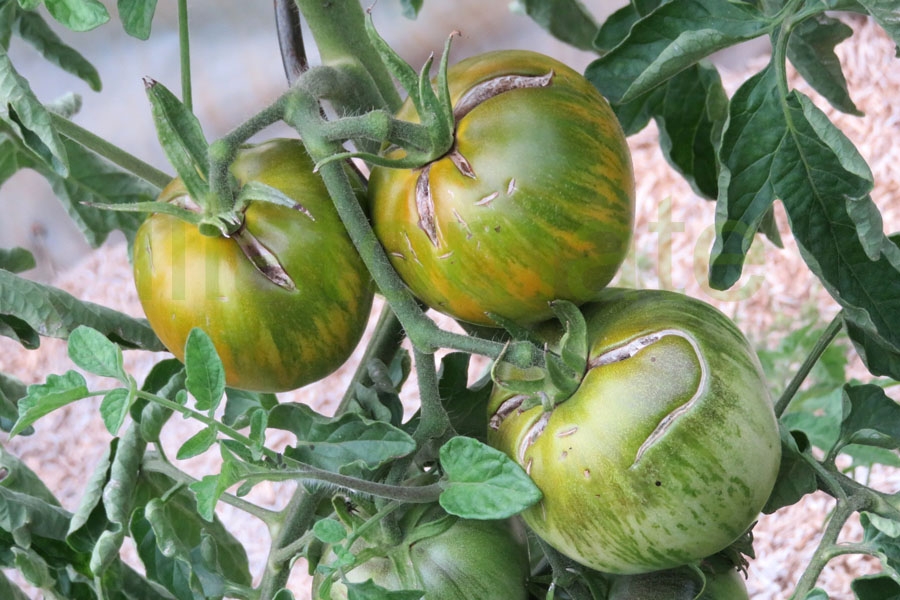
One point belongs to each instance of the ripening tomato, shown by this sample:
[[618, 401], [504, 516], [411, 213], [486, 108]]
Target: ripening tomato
[[535, 202], [668, 449], [270, 337]]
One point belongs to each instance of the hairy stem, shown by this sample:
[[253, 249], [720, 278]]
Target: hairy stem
[[110, 152], [811, 359], [185, 52]]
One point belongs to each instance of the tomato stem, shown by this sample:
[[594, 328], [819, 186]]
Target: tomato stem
[[185, 52], [110, 152], [812, 358]]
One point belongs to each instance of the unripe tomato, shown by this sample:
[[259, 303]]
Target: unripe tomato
[[668, 449], [446, 557], [534, 203], [269, 338], [679, 584]]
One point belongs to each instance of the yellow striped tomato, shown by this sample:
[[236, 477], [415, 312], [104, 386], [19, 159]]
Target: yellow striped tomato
[[535, 202]]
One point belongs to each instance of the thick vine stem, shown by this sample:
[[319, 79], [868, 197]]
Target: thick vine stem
[[302, 113], [434, 423]]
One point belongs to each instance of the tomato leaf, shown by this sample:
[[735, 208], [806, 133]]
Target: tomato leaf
[[566, 20], [44, 398], [811, 51], [16, 260], [336, 444], [166, 379], [466, 406], [32, 28], [796, 477], [205, 375], [198, 443], [369, 590], [193, 558], [23, 114], [880, 536], [78, 15], [670, 39], [20, 478], [93, 352], [879, 357], [411, 8], [114, 408], [800, 157], [885, 14], [38, 309], [137, 17], [875, 587], [870, 418], [329, 531], [181, 137], [241, 405], [11, 391], [482, 482]]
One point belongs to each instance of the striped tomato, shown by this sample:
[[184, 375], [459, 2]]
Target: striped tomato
[[535, 202], [665, 453], [272, 333]]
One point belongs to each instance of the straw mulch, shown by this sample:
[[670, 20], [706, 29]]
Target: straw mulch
[[776, 294]]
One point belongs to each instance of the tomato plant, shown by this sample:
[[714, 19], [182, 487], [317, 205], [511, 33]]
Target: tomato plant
[[272, 335], [638, 433], [443, 556], [667, 450], [534, 202]]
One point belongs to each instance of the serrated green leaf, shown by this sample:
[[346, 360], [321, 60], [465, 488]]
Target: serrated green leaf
[[89, 520], [27, 117], [27, 517], [14, 154], [259, 421], [48, 311], [44, 398], [796, 477], [879, 358], [336, 443], [482, 482], [32, 28], [119, 497], [241, 404], [875, 587], [192, 558], [786, 148], [411, 8], [182, 139], [670, 39], [205, 375], [329, 531], [466, 406], [16, 260], [20, 478], [870, 418], [198, 443], [95, 181], [166, 379], [8, 12], [137, 17], [93, 352], [114, 408], [11, 391], [78, 15], [566, 20], [887, 15], [811, 51]]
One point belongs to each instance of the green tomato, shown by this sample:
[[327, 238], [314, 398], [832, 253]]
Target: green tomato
[[534, 203], [679, 584], [270, 338], [668, 449], [445, 557]]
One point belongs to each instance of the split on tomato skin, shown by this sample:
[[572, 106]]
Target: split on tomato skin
[[272, 334], [666, 452], [534, 202]]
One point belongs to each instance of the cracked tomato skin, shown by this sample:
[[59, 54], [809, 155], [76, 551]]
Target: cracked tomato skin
[[548, 214], [667, 451], [270, 339]]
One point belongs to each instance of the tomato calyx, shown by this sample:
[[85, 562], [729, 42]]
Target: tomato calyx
[[470, 100]]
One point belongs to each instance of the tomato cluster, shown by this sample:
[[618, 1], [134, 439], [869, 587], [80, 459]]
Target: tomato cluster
[[667, 448]]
